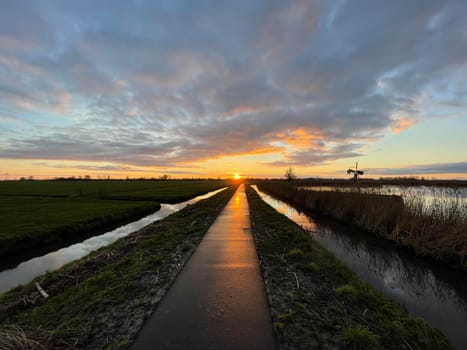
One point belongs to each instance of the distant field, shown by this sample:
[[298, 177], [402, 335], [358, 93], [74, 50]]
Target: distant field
[[163, 191], [41, 213]]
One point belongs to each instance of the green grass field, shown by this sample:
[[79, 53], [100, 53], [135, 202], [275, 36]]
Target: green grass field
[[40, 213], [162, 191]]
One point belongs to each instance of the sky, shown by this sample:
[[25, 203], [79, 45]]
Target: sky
[[210, 88]]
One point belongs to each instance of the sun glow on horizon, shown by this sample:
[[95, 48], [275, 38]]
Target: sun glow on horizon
[[237, 176]]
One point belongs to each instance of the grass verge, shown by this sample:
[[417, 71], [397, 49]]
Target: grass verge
[[101, 301], [318, 303]]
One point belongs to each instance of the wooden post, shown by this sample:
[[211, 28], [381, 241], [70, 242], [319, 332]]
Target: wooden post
[[356, 174]]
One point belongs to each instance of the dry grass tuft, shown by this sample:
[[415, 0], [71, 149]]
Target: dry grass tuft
[[13, 338]]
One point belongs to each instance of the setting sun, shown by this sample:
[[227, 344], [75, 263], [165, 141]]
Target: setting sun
[[237, 176]]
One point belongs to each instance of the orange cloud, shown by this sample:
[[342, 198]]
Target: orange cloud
[[253, 152], [259, 151], [402, 124], [242, 109], [299, 138]]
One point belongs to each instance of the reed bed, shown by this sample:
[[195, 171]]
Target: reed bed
[[437, 229]]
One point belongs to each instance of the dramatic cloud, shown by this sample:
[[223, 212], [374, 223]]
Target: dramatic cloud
[[166, 83]]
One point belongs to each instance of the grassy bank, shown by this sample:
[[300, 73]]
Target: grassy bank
[[31, 222], [101, 301], [439, 233], [47, 213], [318, 303]]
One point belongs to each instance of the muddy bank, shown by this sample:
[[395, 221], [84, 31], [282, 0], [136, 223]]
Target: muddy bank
[[102, 301], [317, 302]]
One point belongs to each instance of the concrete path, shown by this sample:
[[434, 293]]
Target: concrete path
[[218, 300]]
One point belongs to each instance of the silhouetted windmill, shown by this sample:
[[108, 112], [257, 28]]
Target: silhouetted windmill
[[356, 174]]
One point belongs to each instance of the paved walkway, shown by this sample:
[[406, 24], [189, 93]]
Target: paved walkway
[[218, 300]]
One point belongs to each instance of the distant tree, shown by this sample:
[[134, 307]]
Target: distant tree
[[164, 177], [289, 174]]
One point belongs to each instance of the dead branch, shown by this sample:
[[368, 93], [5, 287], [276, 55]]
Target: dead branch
[[296, 280], [41, 291]]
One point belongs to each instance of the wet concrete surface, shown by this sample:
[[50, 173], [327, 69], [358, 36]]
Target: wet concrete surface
[[218, 301]]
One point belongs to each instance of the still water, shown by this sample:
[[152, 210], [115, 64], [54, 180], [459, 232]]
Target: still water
[[429, 199], [28, 270], [425, 289]]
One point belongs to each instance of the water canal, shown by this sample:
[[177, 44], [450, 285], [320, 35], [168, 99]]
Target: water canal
[[425, 289]]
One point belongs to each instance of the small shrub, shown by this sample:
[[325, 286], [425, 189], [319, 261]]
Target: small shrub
[[278, 326], [311, 267], [360, 337], [295, 253], [347, 291], [286, 317]]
